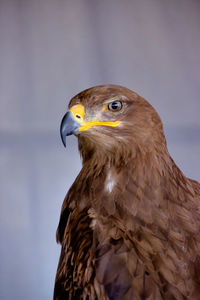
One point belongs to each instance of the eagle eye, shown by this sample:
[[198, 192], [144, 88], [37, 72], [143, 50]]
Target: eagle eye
[[115, 106]]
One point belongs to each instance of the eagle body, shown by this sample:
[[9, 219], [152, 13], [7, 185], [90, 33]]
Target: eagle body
[[129, 225]]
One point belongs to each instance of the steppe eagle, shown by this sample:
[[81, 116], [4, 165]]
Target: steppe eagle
[[130, 223]]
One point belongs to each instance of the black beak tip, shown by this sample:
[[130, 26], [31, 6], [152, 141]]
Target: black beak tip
[[68, 126], [62, 131], [63, 138]]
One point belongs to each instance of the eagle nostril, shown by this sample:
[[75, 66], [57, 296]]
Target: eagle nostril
[[78, 116]]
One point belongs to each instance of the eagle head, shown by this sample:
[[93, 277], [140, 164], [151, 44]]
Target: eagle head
[[112, 117]]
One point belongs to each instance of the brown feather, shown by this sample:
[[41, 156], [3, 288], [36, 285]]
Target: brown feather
[[129, 225]]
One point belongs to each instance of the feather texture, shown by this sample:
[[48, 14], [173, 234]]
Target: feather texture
[[129, 225]]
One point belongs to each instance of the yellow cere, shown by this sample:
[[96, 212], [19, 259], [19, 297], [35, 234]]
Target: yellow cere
[[78, 112]]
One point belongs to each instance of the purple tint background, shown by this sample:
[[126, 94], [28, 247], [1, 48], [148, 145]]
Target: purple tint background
[[51, 50]]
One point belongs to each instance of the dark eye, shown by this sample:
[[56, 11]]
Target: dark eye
[[115, 106]]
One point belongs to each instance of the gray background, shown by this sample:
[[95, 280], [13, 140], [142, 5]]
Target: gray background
[[51, 50]]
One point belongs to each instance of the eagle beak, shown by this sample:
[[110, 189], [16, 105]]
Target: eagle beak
[[74, 121], [68, 126]]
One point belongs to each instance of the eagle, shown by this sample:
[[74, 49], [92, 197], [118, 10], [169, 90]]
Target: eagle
[[130, 223]]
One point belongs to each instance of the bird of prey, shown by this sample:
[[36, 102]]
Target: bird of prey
[[130, 223]]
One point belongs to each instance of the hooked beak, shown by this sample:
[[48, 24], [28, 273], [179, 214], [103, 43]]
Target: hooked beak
[[74, 121], [68, 126]]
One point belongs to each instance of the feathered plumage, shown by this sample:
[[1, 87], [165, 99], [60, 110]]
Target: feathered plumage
[[130, 223]]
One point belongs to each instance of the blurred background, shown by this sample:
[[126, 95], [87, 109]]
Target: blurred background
[[51, 50]]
